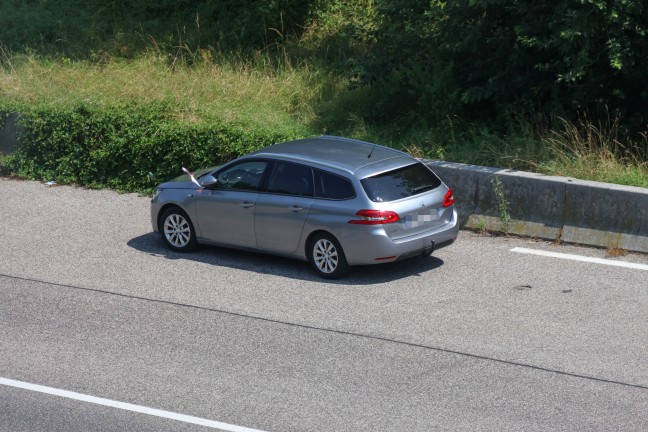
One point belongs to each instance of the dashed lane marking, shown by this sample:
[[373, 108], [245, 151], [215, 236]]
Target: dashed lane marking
[[581, 258]]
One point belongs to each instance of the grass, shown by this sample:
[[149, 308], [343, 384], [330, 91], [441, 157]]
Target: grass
[[616, 252], [239, 92], [267, 90], [595, 152]]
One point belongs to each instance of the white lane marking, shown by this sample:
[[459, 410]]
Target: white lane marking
[[581, 258], [125, 406]]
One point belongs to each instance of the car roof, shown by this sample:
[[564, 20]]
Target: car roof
[[353, 156]]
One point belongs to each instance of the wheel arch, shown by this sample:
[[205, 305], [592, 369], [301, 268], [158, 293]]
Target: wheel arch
[[309, 241], [164, 208]]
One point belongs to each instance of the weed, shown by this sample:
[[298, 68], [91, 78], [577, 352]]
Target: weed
[[502, 205], [480, 226], [616, 251]]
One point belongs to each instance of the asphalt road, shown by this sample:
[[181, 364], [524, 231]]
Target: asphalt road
[[475, 338]]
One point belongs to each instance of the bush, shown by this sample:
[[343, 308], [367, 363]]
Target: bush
[[479, 59], [123, 28], [117, 147]]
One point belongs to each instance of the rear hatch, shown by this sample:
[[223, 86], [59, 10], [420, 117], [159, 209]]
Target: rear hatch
[[416, 194]]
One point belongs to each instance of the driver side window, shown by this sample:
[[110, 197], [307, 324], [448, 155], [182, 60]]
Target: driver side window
[[244, 176]]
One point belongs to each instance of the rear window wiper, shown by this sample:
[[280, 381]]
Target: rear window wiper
[[423, 188]]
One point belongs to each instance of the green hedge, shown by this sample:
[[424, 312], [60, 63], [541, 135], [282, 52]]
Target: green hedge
[[117, 147]]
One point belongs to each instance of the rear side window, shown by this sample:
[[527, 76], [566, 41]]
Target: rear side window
[[291, 179], [400, 183], [331, 186]]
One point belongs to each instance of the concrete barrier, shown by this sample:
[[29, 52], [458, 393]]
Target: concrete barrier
[[606, 215], [548, 207]]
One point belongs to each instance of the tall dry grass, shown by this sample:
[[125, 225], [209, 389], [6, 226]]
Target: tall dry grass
[[596, 152]]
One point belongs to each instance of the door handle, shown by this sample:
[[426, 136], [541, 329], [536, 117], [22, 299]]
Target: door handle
[[247, 204], [296, 209]]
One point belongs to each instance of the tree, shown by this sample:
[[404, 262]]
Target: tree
[[484, 58]]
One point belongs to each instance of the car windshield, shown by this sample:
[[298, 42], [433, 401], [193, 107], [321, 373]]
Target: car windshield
[[203, 172], [400, 183]]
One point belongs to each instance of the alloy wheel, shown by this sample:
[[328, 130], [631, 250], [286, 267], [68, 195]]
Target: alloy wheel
[[177, 230], [325, 256]]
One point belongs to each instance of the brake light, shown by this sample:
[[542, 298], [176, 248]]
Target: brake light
[[448, 200], [375, 217]]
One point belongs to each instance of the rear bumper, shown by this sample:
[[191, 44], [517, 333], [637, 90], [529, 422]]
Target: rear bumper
[[375, 247], [428, 251]]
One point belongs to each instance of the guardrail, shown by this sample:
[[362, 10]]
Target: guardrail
[[548, 207]]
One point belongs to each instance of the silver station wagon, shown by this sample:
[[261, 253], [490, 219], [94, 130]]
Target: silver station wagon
[[334, 202]]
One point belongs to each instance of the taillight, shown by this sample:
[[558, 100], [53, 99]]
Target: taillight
[[375, 217], [448, 200]]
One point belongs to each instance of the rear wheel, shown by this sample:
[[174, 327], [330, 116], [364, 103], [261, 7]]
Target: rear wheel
[[327, 257], [178, 231]]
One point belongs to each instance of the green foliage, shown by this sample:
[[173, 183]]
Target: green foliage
[[116, 147], [476, 81], [339, 35], [481, 58], [502, 205], [422, 61], [480, 226], [124, 28], [595, 152]]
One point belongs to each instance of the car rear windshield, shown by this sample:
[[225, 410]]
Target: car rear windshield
[[400, 183]]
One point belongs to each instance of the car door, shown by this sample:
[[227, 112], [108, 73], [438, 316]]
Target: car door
[[281, 210], [225, 212]]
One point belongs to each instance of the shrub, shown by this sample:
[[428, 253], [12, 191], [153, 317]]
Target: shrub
[[118, 146]]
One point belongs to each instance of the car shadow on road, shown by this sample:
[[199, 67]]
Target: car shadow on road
[[153, 244]]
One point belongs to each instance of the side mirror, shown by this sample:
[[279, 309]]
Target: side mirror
[[208, 181]]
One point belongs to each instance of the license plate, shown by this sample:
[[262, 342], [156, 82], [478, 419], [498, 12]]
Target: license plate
[[421, 218]]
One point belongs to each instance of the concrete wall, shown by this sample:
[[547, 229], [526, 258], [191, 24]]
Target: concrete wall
[[552, 208]]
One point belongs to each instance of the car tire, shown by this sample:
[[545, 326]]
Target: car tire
[[327, 257], [177, 230]]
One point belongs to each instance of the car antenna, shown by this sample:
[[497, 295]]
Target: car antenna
[[191, 176], [371, 152]]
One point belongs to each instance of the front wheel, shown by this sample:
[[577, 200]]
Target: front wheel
[[327, 257], [178, 231]]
